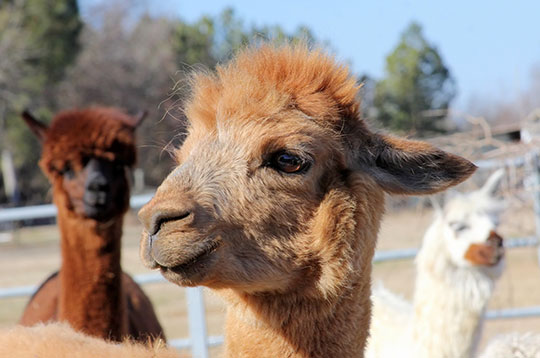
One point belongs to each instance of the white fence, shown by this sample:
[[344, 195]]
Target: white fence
[[199, 341], [49, 210]]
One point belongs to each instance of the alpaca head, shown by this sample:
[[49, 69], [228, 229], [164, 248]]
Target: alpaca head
[[279, 179], [87, 155], [468, 223]]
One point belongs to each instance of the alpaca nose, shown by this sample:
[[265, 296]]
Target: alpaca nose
[[495, 239], [154, 216], [98, 179], [98, 184]]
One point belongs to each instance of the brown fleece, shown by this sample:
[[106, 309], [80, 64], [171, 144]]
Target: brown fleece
[[94, 132], [90, 291]]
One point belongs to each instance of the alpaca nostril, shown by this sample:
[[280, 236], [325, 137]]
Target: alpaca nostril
[[160, 219], [495, 239], [98, 186]]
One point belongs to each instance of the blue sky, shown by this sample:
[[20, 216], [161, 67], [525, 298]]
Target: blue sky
[[489, 46]]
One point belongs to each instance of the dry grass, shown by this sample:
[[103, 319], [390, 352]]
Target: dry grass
[[33, 254]]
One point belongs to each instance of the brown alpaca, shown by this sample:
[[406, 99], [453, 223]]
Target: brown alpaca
[[87, 155], [277, 199]]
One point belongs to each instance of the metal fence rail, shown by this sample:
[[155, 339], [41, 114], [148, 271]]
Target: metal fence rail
[[49, 210], [521, 312]]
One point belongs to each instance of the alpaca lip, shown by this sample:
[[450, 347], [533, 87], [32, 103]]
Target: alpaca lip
[[487, 254], [146, 252], [192, 262], [96, 211], [95, 205], [97, 199], [496, 241], [499, 256]]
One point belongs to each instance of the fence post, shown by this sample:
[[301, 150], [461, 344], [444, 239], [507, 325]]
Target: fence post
[[197, 322], [535, 166]]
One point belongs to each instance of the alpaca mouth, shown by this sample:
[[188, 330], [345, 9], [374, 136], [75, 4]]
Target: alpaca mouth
[[494, 256], [94, 206], [96, 200], [97, 211], [489, 253], [194, 263], [498, 256], [496, 241]]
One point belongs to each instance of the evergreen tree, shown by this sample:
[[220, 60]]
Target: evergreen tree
[[38, 40], [54, 27], [417, 89], [215, 39]]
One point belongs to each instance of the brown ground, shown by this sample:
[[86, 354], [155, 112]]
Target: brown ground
[[33, 254]]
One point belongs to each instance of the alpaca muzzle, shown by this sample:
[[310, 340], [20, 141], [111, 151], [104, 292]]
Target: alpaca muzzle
[[167, 233], [488, 253], [104, 189], [145, 251]]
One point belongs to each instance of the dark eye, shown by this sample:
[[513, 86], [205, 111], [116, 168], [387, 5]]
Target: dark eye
[[84, 161], [288, 163], [68, 172], [459, 227], [119, 167]]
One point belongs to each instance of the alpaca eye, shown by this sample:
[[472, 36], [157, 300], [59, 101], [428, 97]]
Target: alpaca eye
[[119, 168], [68, 172], [288, 163], [459, 227], [84, 161]]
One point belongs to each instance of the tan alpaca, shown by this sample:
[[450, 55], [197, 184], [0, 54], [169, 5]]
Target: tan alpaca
[[59, 340], [277, 198]]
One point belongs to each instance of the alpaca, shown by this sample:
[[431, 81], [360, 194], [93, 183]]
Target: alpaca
[[276, 201], [59, 340], [457, 266], [87, 155], [514, 345]]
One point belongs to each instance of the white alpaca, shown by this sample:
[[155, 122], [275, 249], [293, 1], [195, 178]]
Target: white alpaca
[[457, 266], [514, 345]]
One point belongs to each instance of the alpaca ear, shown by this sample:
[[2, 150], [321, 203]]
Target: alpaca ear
[[37, 127], [492, 184], [410, 167], [139, 117]]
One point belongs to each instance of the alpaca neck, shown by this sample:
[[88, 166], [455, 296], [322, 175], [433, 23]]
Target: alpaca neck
[[299, 327], [327, 314], [90, 276], [449, 304]]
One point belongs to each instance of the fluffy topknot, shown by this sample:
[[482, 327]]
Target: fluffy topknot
[[100, 132], [264, 80]]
